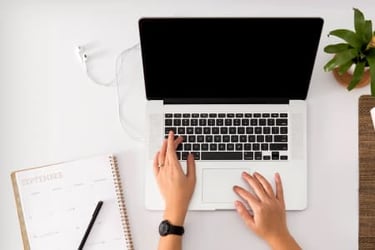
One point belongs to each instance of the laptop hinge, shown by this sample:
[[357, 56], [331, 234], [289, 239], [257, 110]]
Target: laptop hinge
[[226, 101]]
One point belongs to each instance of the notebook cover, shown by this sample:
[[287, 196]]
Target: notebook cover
[[366, 137]]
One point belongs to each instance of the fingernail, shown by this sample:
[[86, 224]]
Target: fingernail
[[245, 174]]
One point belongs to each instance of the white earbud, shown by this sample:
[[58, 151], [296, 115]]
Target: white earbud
[[82, 54]]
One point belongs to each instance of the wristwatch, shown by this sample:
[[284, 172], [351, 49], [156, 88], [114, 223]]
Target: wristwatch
[[166, 228]]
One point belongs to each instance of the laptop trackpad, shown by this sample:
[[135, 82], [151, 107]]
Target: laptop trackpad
[[218, 185]]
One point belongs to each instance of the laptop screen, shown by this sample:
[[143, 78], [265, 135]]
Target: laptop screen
[[228, 58]]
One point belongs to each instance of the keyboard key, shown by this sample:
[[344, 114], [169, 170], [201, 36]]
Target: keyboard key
[[168, 122], [240, 130], [209, 138], [197, 155], [185, 122], [275, 155], [191, 138], [177, 122], [198, 130], [280, 138], [168, 115], [223, 130], [239, 115], [181, 130], [206, 130], [211, 122], [195, 115], [283, 115], [231, 115], [284, 130], [281, 122], [266, 157], [230, 146], [239, 147], [248, 156], [177, 115], [221, 155], [232, 130], [200, 138], [247, 146], [234, 138], [202, 122], [196, 147], [257, 115], [213, 147], [187, 147], [258, 156], [221, 147], [284, 157], [217, 138], [204, 147], [256, 147], [186, 115], [262, 122], [278, 146]]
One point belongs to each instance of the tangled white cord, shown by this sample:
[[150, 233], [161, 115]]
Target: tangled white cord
[[125, 124]]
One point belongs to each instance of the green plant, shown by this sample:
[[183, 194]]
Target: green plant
[[359, 50]]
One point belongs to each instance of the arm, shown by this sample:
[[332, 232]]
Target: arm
[[268, 218], [175, 187]]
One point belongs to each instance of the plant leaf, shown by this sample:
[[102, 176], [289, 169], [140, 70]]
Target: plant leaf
[[357, 75], [348, 36], [330, 65], [359, 23], [368, 31], [336, 48], [345, 56], [371, 63], [343, 68]]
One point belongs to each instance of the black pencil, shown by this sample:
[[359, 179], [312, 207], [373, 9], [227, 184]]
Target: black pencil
[[93, 218]]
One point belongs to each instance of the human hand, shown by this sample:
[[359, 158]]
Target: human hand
[[175, 187], [268, 218]]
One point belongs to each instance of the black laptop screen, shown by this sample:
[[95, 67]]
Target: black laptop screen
[[228, 58]]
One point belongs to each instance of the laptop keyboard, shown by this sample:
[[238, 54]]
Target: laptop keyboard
[[230, 136]]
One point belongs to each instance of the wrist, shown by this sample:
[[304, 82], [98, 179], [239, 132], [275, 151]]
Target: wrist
[[283, 242], [175, 217]]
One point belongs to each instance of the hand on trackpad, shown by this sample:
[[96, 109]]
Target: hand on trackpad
[[218, 185]]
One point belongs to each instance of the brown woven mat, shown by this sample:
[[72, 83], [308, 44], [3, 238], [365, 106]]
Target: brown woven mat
[[366, 174]]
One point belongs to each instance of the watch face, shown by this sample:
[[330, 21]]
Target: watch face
[[164, 228]]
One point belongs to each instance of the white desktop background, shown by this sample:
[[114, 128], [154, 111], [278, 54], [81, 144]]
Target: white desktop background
[[51, 112]]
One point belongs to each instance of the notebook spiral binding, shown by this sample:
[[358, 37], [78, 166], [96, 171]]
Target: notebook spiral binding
[[121, 201]]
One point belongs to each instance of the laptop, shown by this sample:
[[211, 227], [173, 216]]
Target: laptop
[[235, 89]]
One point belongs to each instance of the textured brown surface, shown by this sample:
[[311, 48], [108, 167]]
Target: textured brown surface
[[366, 174]]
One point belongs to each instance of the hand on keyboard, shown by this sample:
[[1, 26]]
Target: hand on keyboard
[[175, 187]]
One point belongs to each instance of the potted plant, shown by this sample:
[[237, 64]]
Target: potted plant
[[357, 51]]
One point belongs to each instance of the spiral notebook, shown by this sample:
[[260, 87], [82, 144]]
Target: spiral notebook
[[55, 204]]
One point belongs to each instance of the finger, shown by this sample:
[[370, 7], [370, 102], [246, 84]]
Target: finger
[[245, 215], [279, 188], [171, 150], [255, 185], [156, 167], [247, 196], [265, 184], [190, 162], [178, 141], [162, 153]]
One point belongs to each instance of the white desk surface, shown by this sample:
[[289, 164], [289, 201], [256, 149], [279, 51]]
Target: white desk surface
[[50, 112]]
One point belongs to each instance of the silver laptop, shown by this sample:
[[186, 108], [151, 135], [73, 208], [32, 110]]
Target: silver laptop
[[235, 89]]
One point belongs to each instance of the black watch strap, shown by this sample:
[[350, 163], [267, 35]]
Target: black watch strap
[[166, 228]]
